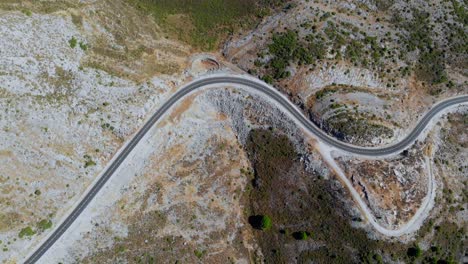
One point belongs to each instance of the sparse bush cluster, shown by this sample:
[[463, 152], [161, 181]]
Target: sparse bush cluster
[[41, 226], [436, 46], [287, 48], [431, 63], [352, 126], [88, 161], [73, 42], [412, 43]]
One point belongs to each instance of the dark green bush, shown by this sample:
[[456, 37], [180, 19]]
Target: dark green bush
[[301, 235], [261, 222], [73, 42], [414, 252]]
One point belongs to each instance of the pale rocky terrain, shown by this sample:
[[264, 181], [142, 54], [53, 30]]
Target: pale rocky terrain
[[185, 201], [62, 118], [393, 188], [450, 168], [180, 192], [77, 79]]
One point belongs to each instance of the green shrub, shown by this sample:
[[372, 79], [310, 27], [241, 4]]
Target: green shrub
[[88, 161], [414, 252], [261, 222], [266, 222], [268, 79], [301, 235], [378, 258], [121, 249], [44, 224], [27, 12], [83, 46], [198, 253], [27, 231], [73, 42]]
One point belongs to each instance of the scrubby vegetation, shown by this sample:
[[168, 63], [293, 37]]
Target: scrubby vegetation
[[289, 48], [311, 205], [351, 128], [430, 66], [89, 161], [285, 49], [44, 224], [26, 232], [41, 226], [407, 39], [204, 23], [301, 202], [73, 42]]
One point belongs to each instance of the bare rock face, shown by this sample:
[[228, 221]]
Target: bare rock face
[[393, 188]]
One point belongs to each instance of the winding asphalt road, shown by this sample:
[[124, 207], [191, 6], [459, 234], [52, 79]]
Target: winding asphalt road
[[258, 86]]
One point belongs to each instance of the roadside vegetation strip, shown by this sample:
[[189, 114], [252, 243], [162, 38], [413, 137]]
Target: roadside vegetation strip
[[258, 86]]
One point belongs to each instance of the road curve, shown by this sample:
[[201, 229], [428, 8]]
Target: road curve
[[258, 86]]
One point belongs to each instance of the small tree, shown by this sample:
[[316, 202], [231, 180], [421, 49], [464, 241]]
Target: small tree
[[415, 252], [261, 222]]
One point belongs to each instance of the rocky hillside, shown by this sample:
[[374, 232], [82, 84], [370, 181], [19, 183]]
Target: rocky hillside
[[227, 176], [372, 64]]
